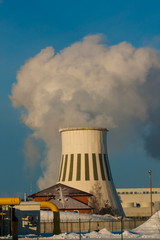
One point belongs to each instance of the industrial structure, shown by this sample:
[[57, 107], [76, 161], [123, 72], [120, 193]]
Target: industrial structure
[[136, 202], [65, 198], [23, 218], [85, 165]]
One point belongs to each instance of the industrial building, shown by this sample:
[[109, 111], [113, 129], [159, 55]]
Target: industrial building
[[136, 202], [65, 198]]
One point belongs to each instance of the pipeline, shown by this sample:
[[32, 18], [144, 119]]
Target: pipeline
[[10, 201], [14, 220], [55, 210]]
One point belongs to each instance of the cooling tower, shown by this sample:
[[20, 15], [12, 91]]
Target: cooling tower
[[84, 163]]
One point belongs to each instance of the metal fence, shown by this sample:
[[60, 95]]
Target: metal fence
[[88, 226], [78, 227]]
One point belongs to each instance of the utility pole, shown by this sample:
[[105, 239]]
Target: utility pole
[[150, 176]]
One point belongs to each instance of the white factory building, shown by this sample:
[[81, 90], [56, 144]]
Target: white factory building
[[136, 202]]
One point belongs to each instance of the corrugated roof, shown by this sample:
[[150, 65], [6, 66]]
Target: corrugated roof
[[58, 189], [68, 203]]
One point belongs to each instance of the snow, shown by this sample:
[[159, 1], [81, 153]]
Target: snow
[[74, 217], [149, 230], [152, 225]]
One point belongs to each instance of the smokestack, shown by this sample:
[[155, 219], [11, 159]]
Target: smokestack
[[84, 163]]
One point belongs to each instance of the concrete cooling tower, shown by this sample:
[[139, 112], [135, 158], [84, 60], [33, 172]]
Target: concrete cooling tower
[[84, 163]]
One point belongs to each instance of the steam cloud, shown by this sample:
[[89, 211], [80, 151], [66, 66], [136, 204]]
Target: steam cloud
[[89, 84], [32, 154]]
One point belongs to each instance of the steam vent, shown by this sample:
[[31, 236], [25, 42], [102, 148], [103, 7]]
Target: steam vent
[[84, 163]]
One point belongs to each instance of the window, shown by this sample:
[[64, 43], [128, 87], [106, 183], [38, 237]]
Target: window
[[138, 205], [76, 211]]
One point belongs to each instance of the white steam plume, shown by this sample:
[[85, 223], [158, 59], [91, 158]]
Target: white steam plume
[[32, 154], [87, 84]]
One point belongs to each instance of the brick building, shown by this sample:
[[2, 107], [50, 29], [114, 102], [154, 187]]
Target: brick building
[[65, 198]]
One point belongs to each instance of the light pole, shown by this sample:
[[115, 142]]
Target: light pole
[[121, 221], [149, 171]]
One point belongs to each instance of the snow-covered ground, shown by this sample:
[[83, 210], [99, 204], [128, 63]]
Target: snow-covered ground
[[149, 230]]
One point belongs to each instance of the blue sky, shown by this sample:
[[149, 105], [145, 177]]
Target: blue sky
[[26, 27]]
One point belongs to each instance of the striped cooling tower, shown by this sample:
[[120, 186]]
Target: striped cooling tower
[[84, 163]]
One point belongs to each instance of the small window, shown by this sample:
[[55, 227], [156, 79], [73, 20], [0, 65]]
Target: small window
[[76, 211], [138, 205]]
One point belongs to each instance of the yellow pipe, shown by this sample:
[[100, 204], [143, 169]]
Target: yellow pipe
[[2, 214], [50, 205], [55, 210], [10, 201]]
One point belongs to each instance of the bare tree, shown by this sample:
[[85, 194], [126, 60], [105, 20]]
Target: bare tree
[[98, 204], [96, 201]]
